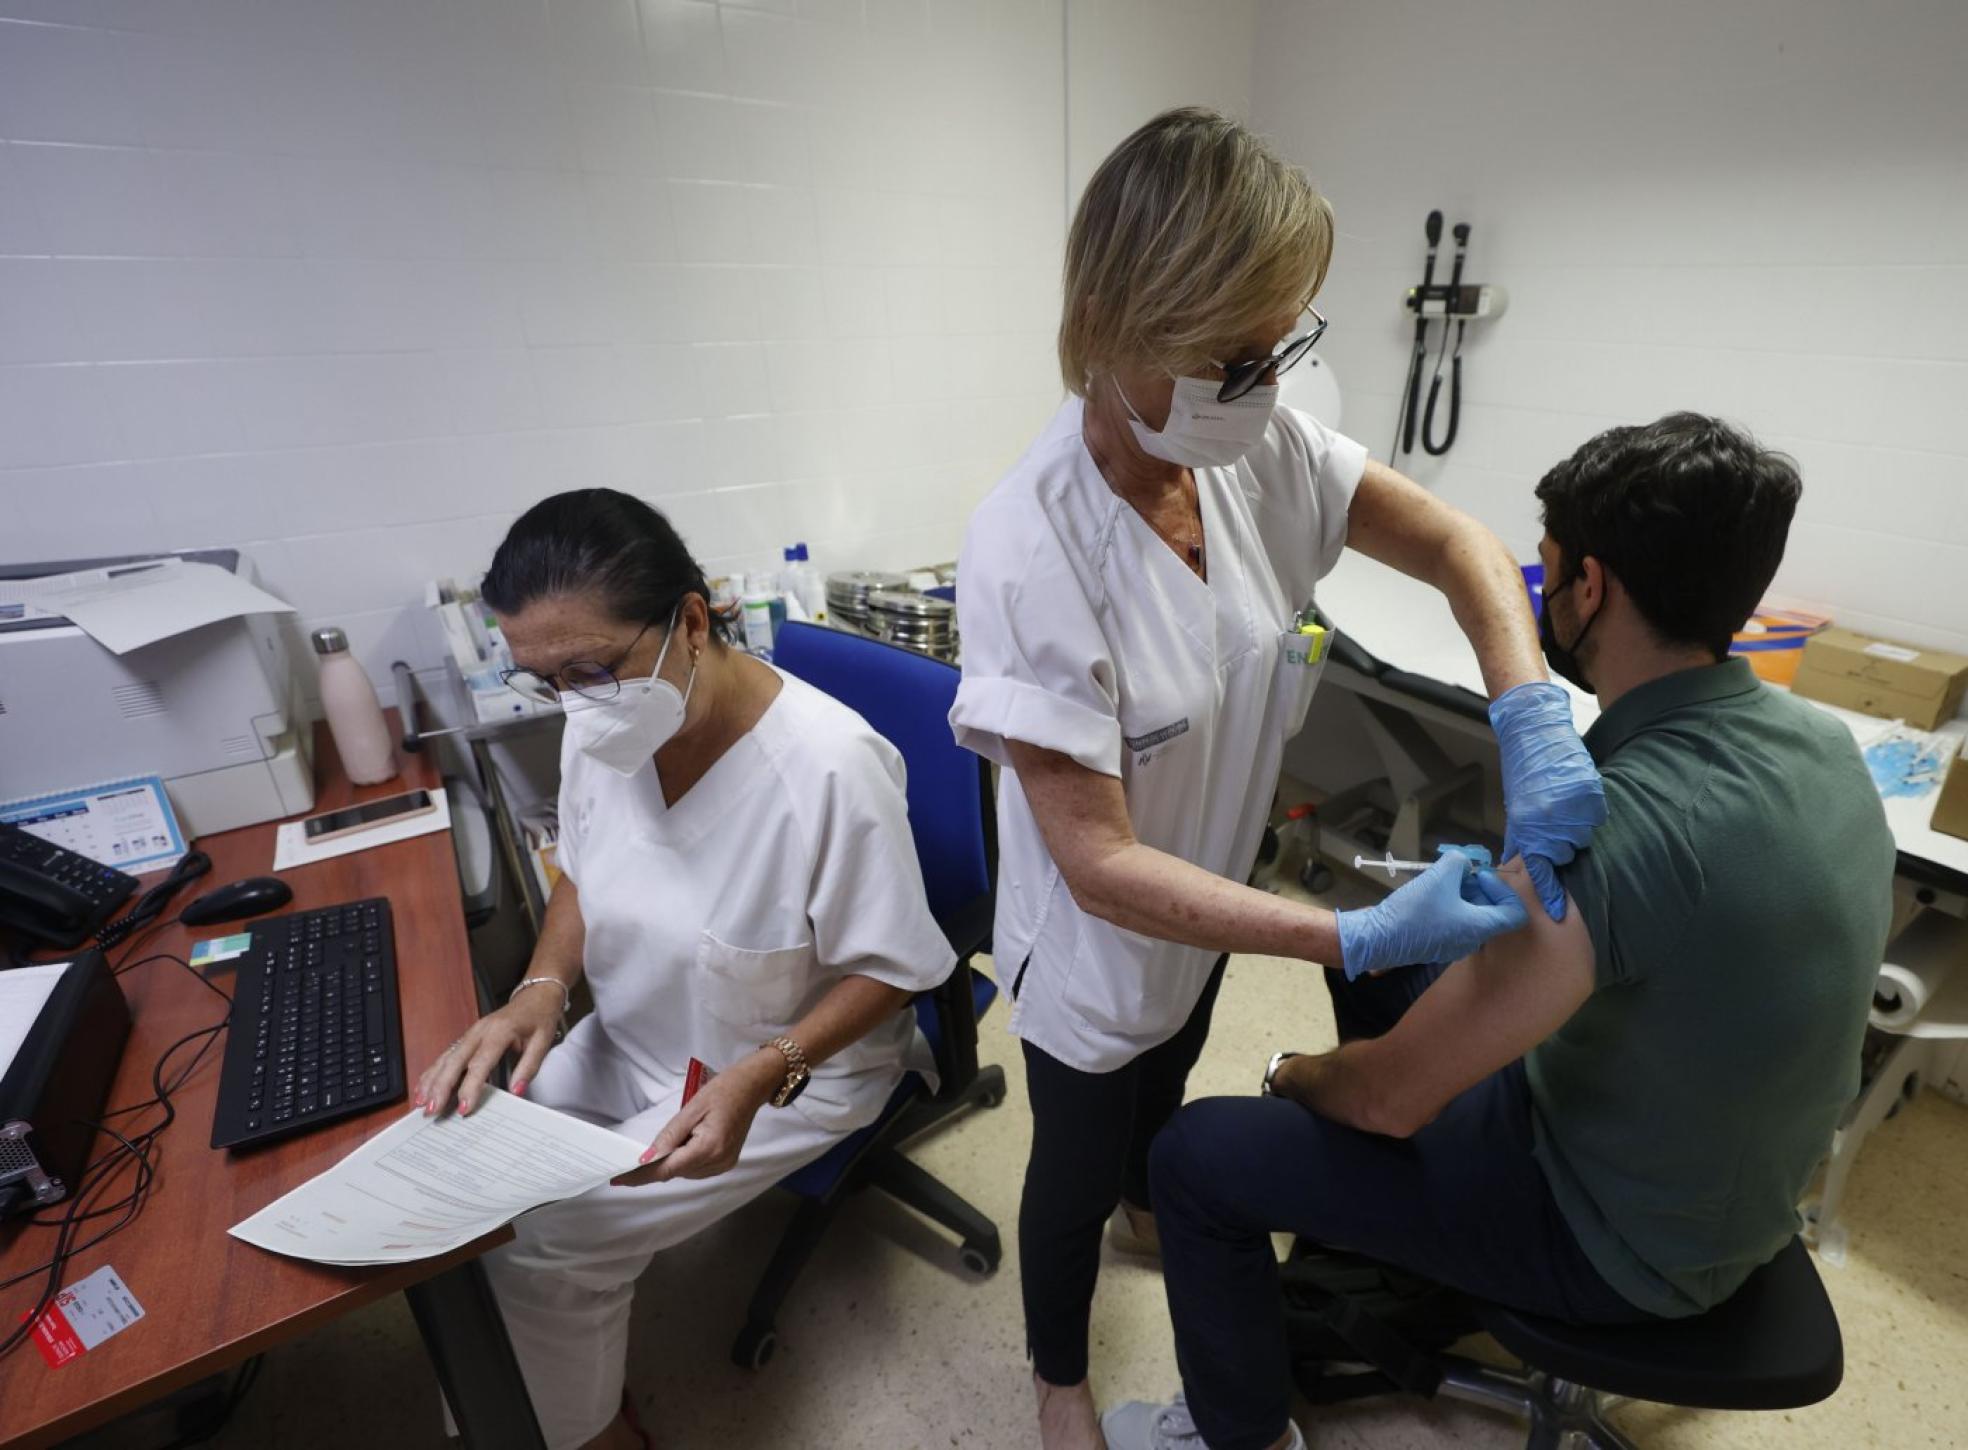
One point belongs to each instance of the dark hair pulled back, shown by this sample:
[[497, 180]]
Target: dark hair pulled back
[[602, 543]]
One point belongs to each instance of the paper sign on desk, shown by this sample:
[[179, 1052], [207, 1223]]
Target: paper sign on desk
[[291, 846], [424, 1186], [127, 824]]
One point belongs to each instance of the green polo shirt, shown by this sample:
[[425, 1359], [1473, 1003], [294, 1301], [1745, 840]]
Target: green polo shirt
[[1738, 899]]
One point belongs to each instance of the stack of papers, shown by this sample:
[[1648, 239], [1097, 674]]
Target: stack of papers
[[425, 1186]]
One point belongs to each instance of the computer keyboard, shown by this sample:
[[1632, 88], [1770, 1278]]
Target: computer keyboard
[[315, 1034]]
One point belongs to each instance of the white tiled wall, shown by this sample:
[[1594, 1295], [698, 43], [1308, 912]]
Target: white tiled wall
[[1757, 208], [1128, 59], [350, 282]]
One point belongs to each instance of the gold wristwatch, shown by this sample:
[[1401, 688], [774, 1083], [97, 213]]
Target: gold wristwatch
[[798, 1074]]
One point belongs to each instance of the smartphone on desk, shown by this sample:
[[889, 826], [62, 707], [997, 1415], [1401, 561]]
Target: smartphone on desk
[[332, 825]]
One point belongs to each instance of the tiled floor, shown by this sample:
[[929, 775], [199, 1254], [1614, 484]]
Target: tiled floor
[[887, 1343]]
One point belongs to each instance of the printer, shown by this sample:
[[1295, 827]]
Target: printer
[[216, 710]]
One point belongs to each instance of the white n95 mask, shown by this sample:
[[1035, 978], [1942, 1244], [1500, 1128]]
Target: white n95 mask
[[643, 717], [1202, 432]]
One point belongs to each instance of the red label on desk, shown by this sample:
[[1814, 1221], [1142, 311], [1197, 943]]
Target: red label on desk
[[84, 1315]]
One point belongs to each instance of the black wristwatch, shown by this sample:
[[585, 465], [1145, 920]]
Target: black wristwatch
[[1278, 1059]]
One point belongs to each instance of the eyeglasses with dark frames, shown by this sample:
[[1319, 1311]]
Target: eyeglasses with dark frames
[[1240, 377], [590, 679]]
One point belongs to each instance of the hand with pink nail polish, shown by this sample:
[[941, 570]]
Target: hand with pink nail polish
[[525, 1025]]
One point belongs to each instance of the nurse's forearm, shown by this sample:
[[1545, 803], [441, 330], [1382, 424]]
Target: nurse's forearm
[[1485, 589], [854, 1007], [1397, 521], [563, 937], [1151, 892], [1083, 816]]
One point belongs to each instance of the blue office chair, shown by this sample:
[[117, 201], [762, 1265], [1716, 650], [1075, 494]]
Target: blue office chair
[[907, 697]]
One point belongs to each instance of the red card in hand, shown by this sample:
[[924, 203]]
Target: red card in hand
[[694, 1078]]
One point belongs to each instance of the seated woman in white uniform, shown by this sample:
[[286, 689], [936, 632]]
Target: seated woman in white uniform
[[739, 886]]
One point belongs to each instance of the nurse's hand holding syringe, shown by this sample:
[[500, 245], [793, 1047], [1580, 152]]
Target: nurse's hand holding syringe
[[1443, 914], [1083, 816]]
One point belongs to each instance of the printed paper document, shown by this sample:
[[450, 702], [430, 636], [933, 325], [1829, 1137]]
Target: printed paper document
[[424, 1186]]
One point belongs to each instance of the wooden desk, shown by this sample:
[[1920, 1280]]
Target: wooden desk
[[209, 1300]]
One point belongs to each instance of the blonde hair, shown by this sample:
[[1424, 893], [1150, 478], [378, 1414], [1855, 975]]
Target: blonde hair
[[1192, 233]]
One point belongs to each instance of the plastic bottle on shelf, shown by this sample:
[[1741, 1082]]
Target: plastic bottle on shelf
[[355, 715], [808, 585], [758, 595]]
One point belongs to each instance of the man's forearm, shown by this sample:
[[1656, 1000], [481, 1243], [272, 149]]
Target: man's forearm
[[1342, 1085]]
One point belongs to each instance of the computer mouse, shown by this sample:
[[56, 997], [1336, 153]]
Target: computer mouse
[[251, 897]]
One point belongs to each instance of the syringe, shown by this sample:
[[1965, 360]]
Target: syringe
[[1390, 865]]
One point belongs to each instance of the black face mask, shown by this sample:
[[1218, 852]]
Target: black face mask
[[1563, 658]]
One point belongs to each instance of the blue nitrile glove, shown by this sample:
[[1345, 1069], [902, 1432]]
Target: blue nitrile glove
[[1445, 913], [1552, 794]]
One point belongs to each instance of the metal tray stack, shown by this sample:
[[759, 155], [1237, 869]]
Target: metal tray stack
[[914, 621], [848, 591]]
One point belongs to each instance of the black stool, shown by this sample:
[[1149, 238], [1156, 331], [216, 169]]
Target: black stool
[[1774, 1345]]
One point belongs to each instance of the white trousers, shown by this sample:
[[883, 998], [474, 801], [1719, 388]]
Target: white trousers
[[566, 1281]]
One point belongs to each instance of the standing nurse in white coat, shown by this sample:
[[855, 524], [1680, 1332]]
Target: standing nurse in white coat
[[739, 885], [1125, 594]]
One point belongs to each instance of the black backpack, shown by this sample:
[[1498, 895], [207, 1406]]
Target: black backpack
[[1355, 1327]]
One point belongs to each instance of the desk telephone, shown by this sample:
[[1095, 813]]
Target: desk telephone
[[54, 895]]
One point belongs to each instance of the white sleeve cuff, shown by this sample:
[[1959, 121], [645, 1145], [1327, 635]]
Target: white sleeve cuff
[[988, 712]]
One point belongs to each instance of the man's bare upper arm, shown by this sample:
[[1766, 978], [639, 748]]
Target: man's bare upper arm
[[1485, 1011]]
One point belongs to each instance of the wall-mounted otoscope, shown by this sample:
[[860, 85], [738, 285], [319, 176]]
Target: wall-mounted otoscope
[[1454, 301], [1411, 394]]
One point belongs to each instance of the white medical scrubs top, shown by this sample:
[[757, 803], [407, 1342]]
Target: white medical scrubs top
[[715, 924], [1084, 633]]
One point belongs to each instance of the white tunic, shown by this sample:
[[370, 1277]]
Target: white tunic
[[1084, 633], [717, 924]]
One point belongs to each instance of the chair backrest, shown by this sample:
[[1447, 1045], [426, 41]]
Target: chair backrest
[[906, 697]]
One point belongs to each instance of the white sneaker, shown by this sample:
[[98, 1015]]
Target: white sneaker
[[1138, 1425], [1126, 1237]]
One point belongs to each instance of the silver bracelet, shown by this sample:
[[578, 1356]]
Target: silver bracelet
[[566, 999]]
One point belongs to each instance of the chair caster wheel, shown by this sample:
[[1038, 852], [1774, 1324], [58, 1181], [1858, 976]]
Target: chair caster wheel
[[754, 1346], [993, 1098], [981, 1258]]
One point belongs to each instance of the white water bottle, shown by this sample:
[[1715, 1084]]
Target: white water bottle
[[355, 715]]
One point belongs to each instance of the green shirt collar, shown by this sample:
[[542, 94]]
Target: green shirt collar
[[1641, 706]]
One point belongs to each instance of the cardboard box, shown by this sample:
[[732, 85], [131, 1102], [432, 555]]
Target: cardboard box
[[1951, 810], [1877, 677]]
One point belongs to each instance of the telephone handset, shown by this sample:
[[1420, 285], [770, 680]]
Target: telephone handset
[[54, 895]]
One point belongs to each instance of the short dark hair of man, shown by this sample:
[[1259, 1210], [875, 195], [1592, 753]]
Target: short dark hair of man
[[1688, 512]]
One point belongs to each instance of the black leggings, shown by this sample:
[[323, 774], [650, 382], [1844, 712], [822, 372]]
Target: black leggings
[[1090, 1137]]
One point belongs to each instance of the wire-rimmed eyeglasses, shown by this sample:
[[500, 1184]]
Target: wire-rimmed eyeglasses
[[1240, 377], [590, 679]]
